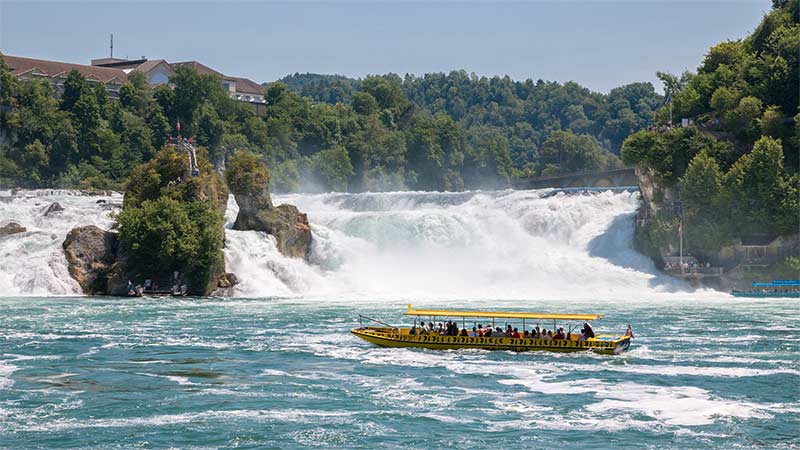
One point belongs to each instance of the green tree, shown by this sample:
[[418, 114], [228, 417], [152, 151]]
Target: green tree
[[332, 168], [576, 153], [701, 184], [364, 103], [760, 191], [75, 88], [246, 174]]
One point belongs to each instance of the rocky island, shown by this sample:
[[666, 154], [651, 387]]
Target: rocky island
[[170, 228]]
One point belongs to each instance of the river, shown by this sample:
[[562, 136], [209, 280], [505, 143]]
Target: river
[[275, 367]]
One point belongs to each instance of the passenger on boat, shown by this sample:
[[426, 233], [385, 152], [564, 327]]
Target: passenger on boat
[[480, 330], [525, 334], [538, 332], [413, 330], [547, 335], [587, 330], [560, 334], [515, 334], [464, 332], [474, 332], [509, 332], [424, 329], [498, 333], [455, 330]]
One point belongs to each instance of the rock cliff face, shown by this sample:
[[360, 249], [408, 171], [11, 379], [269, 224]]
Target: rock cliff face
[[91, 256], [11, 228], [53, 209], [654, 194], [248, 181], [96, 261], [285, 222]]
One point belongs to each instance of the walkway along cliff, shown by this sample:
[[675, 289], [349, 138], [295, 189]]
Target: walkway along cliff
[[735, 266]]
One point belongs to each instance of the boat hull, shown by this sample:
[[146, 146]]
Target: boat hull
[[386, 337], [767, 294]]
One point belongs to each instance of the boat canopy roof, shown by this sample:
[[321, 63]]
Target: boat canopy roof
[[500, 314], [779, 283]]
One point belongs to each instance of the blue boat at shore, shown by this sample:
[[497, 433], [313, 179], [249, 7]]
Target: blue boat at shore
[[774, 289]]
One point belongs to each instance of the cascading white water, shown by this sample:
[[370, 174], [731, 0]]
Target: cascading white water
[[33, 262], [415, 245], [403, 245]]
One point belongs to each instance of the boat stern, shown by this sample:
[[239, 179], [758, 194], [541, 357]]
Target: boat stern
[[612, 344], [622, 345]]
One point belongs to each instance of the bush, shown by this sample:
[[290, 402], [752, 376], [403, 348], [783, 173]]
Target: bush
[[164, 235], [172, 221], [246, 174]]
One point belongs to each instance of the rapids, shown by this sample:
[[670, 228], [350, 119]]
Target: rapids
[[277, 367], [401, 245]]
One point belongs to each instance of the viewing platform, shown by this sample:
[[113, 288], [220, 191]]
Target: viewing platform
[[688, 267]]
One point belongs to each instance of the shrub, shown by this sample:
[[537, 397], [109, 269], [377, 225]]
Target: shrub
[[246, 174], [164, 235]]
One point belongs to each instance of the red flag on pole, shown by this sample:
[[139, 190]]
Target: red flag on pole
[[629, 332]]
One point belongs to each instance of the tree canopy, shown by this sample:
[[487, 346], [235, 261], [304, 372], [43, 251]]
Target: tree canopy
[[736, 168]]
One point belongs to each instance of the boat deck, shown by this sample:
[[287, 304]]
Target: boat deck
[[399, 337]]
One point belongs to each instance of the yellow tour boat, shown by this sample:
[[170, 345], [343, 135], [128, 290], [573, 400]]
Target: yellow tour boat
[[391, 336]]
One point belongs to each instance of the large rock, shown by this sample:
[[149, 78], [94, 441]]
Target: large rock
[[54, 207], [248, 181], [11, 228], [285, 222], [91, 255]]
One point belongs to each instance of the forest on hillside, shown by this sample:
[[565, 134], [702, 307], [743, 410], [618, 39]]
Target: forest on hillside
[[322, 133], [438, 131], [735, 170], [525, 113]]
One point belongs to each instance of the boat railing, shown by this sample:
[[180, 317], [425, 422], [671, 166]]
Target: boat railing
[[361, 318]]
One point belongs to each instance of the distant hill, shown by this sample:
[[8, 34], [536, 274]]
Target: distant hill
[[323, 88], [525, 112]]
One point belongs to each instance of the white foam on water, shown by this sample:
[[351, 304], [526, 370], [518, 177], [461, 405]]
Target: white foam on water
[[163, 420], [616, 405], [6, 370], [32, 263], [680, 405], [523, 245]]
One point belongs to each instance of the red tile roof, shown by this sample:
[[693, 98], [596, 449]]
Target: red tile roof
[[247, 86], [152, 64], [199, 68], [20, 66], [243, 85]]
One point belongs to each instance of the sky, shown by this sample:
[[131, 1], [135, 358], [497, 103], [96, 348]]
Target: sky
[[599, 44]]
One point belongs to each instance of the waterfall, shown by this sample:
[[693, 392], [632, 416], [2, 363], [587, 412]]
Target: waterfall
[[33, 262], [397, 245], [423, 245]]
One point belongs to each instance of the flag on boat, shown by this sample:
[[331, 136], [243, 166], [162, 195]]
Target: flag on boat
[[629, 332]]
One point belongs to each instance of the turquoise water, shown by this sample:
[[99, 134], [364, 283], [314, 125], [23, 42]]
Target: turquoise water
[[267, 373]]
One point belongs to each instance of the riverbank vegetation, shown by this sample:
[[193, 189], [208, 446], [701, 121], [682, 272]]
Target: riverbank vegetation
[[440, 131], [734, 170]]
